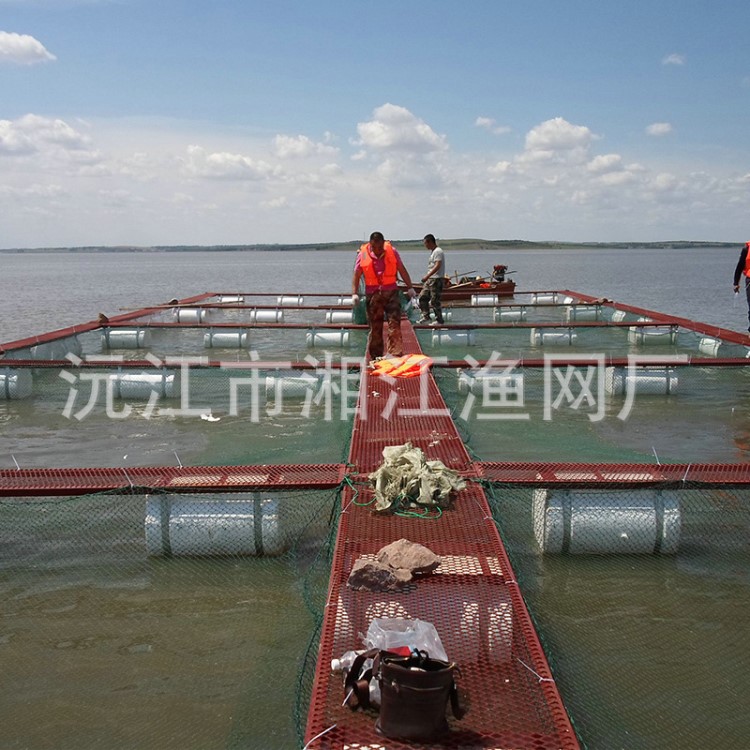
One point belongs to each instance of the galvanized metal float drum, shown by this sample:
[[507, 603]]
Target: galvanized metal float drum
[[339, 316], [509, 314], [453, 337], [290, 300], [191, 314], [580, 522], [483, 299], [126, 338], [226, 339], [327, 338], [544, 337], [208, 526], [15, 383], [140, 385], [642, 380]]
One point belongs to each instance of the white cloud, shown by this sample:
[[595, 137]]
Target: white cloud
[[488, 123], [659, 129], [286, 147], [31, 134], [673, 59], [395, 128], [558, 135], [225, 166], [605, 163], [22, 49], [139, 182]]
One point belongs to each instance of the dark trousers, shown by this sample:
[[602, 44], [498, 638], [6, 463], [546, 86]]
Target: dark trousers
[[384, 307], [431, 296]]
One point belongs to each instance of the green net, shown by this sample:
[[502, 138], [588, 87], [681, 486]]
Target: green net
[[161, 621], [640, 598]]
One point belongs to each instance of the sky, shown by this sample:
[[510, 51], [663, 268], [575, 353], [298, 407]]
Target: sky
[[167, 122]]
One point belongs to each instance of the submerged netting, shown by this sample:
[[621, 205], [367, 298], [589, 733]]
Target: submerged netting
[[161, 620], [640, 598]]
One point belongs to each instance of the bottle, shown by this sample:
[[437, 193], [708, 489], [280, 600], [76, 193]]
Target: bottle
[[345, 661]]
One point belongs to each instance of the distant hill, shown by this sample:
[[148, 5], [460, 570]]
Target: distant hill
[[448, 244]]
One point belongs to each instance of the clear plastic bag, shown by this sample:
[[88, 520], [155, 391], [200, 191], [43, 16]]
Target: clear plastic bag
[[389, 633]]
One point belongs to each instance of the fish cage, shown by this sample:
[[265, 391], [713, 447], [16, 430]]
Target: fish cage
[[186, 488]]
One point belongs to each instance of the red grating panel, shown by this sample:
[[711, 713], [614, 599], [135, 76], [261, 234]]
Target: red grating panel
[[615, 475], [472, 599], [34, 482], [703, 328]]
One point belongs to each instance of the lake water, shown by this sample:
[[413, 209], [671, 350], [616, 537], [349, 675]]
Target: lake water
[[40, 292], [103, 647]]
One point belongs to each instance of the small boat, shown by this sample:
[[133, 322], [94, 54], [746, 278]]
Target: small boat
[[463, 288]]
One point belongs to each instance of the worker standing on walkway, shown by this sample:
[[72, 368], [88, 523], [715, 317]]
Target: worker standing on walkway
[[743, 270], [432, 291], [380, 264]]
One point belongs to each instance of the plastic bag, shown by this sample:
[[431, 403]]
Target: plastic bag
[[389, 633]]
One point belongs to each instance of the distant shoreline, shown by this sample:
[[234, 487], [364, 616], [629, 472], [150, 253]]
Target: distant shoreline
[[454, 244]]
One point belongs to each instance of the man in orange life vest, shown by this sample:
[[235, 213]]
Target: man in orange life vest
[[743, 269], [380, 264]]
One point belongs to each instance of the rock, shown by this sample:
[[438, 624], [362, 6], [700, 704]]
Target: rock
[[371, 575], [413, 557]]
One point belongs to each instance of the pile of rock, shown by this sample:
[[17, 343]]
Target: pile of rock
[[394, 566]]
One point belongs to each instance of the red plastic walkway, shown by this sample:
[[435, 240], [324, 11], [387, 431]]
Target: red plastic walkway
[[472, 599]]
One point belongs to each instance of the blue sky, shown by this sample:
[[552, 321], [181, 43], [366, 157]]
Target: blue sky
[[149, 122]]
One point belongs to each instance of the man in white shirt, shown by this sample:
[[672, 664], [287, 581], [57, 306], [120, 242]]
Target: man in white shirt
[[432, 290]]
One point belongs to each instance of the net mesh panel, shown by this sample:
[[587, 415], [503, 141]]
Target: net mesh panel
[[646, 648], [110, 639]]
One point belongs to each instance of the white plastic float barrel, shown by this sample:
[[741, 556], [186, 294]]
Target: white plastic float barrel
[[339, 316], [290, 386], [140, 385], [191, 314], [583, 312], [544, 298], [266, 316], [226, 339], [709, 345], [483, 299], [580, 522], [236, 299], [344, 301], [618, 316], [327, 338], [126, 338], [210, 526], [643, 380], [441, 337], [509, 314], [290, 300], [652, 335], [543, 337], [479, 383], [15, 383]]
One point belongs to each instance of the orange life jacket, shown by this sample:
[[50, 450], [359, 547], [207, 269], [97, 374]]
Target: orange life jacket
[[747, 260], [408, 366], [391, 266]]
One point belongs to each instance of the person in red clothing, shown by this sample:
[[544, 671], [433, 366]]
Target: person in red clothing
[[743, 269], [380, 265]]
